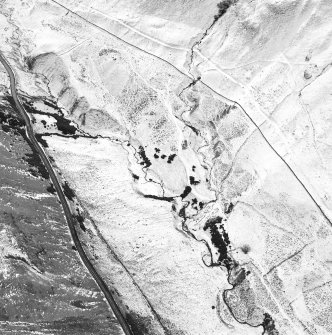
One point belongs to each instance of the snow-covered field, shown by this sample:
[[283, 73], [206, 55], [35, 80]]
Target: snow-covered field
[[196, 138]]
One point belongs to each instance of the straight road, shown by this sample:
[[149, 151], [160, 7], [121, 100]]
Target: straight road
[[69, 217]]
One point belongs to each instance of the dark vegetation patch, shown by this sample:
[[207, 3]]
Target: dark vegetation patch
[[238, 275], [10, 121], [107, 52], [64, 125], [13, 122], [69, 193], [11, 101], [220, 240], [229, 208], [193, 181], [269, 325], [51, 104], [170, 158], [80, 220], [193, 129], [145, 160], [186, 191], [139, 325], [223, 6], [193, 168], [39, 138], [34, 160], [158, 154], [213, 221], [157, 151], [151, 196], [135, 176], [51, 188], [245, 248], [29, 61], [196, 205], [182, 212]]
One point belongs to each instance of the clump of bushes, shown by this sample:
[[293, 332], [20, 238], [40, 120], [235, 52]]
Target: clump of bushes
[[223, 7]]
